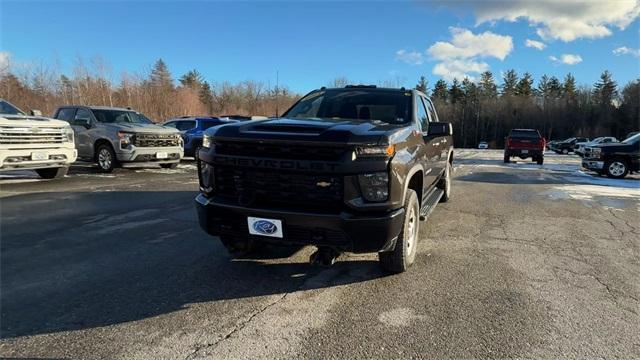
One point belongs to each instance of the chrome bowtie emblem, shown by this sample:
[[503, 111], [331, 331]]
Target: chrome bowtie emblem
[[35, 130], [323, 184]]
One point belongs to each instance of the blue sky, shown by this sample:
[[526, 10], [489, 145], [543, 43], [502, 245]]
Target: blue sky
[[311, 43]]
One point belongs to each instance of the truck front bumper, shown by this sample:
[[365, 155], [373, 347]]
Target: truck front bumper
[[344, 231], [141, 155], [24, 159], [596, 165]]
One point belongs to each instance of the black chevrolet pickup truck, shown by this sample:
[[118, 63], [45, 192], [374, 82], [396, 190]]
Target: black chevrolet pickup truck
[[615, 160], [349, 169]]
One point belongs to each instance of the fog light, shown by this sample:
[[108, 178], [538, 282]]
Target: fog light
[[375, 187]]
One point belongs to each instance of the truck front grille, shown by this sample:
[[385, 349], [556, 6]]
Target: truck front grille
[[15, 136], [280, 190], [279, 151], [156, 140]]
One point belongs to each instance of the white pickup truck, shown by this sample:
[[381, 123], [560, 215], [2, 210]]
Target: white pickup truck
[[35, 143]]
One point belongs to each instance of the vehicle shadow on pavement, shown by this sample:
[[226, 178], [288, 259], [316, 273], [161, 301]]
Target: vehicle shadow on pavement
[[81, 260]]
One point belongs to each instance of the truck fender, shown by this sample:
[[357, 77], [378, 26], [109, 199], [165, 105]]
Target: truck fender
[[414, 169]]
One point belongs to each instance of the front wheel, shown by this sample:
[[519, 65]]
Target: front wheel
[[616, 168], [53, 173], [106, 158], [565, 151], [404, 253]]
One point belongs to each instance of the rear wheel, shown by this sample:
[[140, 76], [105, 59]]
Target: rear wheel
[[445, 183], [53, 173], [565, 151], [540, 160], [106, 158], [506, 158], [616, 168], [403, 255]]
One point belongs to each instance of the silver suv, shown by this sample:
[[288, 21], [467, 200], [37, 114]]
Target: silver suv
[[121, 137]]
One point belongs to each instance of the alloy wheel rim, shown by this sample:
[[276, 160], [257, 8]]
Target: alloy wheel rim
[[617, 168], [104, 159]]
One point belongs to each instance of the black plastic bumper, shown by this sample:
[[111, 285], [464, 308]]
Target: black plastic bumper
[[345, 231]]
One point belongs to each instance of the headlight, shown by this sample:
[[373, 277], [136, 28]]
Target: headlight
[[68, 134], [375, 187], [376, 151], [205, 172], [207, 141], [596, 152], [126, 139]]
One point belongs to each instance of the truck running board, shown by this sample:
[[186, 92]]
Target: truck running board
[[430, 201]]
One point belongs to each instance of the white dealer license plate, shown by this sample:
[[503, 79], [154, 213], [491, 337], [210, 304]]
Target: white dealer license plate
[[162, 155], [40, 155], [264, 227], [525, 151]]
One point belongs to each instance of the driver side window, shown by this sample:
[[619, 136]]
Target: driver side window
[[83, 116]]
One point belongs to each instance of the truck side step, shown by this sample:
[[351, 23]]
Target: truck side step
[[429, 202]]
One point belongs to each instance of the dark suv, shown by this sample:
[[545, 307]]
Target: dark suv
[[345, 169], [192, 128]]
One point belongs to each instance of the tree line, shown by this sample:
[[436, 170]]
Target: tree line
[[154, 92], [486, 111], [480, 111]]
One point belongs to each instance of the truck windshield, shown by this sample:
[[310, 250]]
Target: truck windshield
[[7, 108], [120, 116], [632, 139], [390, 106]]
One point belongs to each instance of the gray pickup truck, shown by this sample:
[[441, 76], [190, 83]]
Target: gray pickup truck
[[121, 137]]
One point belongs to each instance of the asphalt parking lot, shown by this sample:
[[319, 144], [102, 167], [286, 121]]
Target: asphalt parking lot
[[524, 261]]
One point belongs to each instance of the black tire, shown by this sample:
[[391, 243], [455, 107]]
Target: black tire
[[445, 183], [506, 158], [616, 168], [105, 158], [53, 173], [169, 166], [540, 160], [565, 151], [404, 253]]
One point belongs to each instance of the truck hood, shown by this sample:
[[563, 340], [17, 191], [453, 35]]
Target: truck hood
[[339, 131], [30, 121], [612, 147], [143, 128]]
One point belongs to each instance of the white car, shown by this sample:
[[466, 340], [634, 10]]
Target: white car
[[483, 145], [35, 143], [581, 147]]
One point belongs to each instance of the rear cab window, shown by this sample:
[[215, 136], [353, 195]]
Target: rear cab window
[[525, 134], [209, 123]]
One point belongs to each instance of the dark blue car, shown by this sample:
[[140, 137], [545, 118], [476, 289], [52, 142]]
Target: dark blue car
[[192, 129]]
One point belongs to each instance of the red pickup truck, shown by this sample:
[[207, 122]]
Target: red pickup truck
[[524, 143]]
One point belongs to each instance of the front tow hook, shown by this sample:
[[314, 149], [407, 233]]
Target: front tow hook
[[324, 256]]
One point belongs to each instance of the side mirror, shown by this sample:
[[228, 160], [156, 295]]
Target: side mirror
[[86, 123], [440, 129], [35, 112]]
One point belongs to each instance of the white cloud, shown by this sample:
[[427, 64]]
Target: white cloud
[[465, 44], [565, 20], [4, 61], [568, 59], [410, 57], [459, 58], [535, 44], [623, 50], [459, 69]]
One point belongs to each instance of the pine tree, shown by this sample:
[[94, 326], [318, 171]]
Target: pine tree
[[543, 87], [488, 88], [455, 92], [569, 88], [160, 76], [510, 82], [423, 85], [605, 90], [191, 79], [206, 96], [525, 85], [555, 88], [440, 90]]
